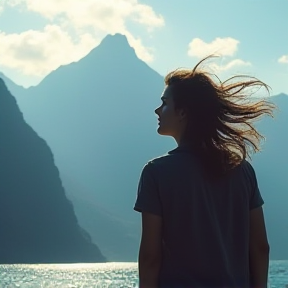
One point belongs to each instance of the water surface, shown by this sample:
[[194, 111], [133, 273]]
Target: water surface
[[100, 275]]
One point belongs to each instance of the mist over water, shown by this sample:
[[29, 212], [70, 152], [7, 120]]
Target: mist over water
[[102, 275]]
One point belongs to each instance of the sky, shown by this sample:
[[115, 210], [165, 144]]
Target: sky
[[250, 36]]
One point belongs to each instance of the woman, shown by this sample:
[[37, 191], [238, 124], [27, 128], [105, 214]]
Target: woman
[[202, 217]]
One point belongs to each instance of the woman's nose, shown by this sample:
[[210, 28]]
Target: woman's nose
[[157, 110]]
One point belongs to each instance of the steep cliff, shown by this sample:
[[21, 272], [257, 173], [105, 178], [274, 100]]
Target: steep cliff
[[37, 221]]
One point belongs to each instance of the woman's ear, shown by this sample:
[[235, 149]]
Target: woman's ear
[[182, 114]]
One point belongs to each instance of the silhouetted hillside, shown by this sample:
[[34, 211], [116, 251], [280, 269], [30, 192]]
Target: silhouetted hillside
[[118, 239], [271, 166], [97, 116], [37, 222]]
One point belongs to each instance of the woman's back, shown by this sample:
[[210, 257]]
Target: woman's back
[[205, 224]]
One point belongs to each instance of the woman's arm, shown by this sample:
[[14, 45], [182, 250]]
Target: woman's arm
[[150, 251], [259, 249]]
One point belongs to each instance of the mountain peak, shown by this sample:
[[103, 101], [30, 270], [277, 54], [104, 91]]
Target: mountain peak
[[116, 39], [114, 46]]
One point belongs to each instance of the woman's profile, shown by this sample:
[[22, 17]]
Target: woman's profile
[[201, 208]]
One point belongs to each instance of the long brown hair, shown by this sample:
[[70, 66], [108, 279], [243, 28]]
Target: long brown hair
[[220, 118]]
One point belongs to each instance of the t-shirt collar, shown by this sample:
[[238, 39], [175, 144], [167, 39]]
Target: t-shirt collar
[[184, 148]]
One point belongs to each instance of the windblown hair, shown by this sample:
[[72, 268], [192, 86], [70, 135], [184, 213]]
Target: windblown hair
[[220, 119]]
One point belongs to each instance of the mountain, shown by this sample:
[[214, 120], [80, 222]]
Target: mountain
[[37, 221], [85, 108], [118, 240], [272, 171], [12, 87], [97, 115]]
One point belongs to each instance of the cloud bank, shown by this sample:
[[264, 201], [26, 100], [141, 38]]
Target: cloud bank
[[73, 29], [39, 52], [225, 47]]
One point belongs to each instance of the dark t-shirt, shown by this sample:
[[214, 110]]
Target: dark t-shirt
[[205, 225]]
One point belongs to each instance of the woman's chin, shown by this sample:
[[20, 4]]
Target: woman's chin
[[162, 132], [159, 130]]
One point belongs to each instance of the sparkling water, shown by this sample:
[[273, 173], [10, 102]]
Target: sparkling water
[[104, 275]]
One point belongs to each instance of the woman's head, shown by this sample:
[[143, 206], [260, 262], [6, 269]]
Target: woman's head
[[195, 99], [211, 115], [172, 121]]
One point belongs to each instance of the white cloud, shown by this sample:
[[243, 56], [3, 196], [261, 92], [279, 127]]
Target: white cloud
[[109, 16], [225, 47], [2, 6], [86, 21], [39, 52], [146, 16], [220, 46], [231, 64], [13, 2], [283, 59], [104, 15]]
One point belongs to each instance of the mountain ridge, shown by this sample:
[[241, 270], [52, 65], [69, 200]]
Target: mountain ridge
[[37, 221]]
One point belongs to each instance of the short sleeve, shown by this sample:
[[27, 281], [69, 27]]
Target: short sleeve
[[148, 198], [256, 199]]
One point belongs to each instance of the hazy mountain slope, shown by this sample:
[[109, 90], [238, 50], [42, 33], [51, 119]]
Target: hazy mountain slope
[[119, 239], [271, 166], [37, 221], [98, 114]]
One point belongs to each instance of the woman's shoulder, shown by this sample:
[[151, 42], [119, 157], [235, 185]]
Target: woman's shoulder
[[169, 156], [245, 169], [163, 164], [246, 166], [161, 160]]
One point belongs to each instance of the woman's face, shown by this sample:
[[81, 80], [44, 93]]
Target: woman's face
[[171, 122]]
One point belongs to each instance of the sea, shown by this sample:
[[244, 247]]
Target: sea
[[100, 275]]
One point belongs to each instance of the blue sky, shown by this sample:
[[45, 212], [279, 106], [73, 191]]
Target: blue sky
[[250, 35]]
